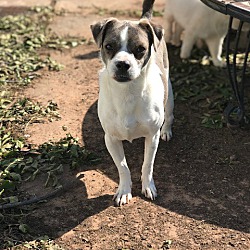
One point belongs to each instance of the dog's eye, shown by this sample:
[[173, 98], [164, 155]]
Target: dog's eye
[[140, 49], [108, 47]]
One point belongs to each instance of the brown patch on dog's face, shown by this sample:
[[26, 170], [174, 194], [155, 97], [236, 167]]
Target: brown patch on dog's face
[[137, 41], [125, 47]]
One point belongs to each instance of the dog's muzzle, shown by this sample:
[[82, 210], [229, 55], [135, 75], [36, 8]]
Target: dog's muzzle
[[122, 71]]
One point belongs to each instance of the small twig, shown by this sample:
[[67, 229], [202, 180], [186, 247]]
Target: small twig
[[32, 200], [28, 123], [9, 106]]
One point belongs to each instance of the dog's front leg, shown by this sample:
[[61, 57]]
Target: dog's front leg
[[187, 44], [215, 47], [115, 148], [148, 186]]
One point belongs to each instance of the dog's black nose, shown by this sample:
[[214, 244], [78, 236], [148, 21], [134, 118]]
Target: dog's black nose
[[123, 65]]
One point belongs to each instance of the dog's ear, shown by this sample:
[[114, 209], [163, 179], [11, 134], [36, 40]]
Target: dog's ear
[[99, 30], [155, 32]]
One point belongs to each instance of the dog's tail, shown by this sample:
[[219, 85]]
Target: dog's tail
[[147, 9]]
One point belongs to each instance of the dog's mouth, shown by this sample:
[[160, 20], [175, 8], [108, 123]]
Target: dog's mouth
[[122, 78]]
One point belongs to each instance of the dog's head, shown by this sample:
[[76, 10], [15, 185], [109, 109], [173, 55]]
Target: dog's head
[[126, 46]]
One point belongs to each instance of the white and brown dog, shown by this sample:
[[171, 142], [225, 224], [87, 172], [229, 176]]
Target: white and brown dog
[[134, 92]]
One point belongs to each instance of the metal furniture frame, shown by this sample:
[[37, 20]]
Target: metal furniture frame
[[239, 9]]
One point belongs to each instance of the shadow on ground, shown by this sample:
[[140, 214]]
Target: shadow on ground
[[201, 173]]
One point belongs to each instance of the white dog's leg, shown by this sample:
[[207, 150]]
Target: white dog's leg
[[115, 148], [215, 47], [176, 41], [148, 186], [187, 44], [166, 132]]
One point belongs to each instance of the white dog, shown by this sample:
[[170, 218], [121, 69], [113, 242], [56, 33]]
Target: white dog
[[134, 91], [197, 22]]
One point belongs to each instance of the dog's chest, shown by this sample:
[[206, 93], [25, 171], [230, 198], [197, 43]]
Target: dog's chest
[[127, 115]]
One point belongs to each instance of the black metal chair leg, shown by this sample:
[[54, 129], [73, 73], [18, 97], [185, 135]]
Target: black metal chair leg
[[234, 114]]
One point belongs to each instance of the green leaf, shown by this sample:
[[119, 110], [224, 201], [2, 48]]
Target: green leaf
[[15, 176], [6, 184], [13, 199], [23, 228]]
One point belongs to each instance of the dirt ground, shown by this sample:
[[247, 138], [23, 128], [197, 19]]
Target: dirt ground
[[202, 175]]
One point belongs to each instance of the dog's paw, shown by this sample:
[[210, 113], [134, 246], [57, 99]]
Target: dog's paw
[[123, 195], [166, 135], [219, 63], [185, 54], [166, 132], [149, 189]]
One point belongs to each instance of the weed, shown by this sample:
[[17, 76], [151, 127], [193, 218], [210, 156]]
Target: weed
[[23, 39]]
